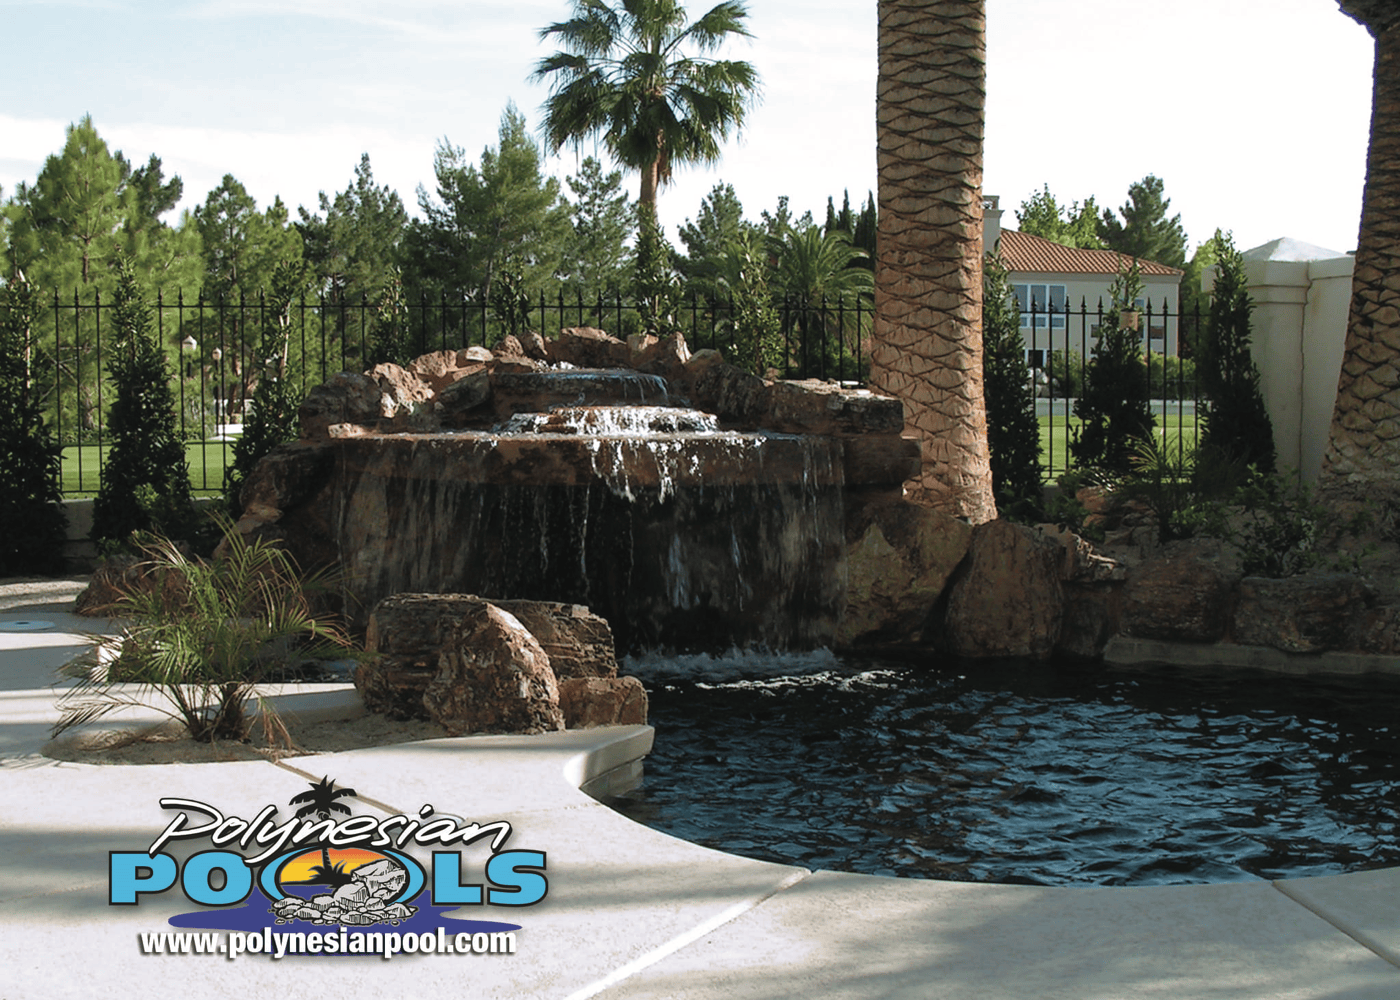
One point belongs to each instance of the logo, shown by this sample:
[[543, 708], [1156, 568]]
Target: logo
[[327, 882]]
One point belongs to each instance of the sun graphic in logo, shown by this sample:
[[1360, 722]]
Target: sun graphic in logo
[[326, 885]]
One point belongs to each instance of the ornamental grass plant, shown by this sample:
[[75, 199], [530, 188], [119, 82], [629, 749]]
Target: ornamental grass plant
[[201, 636]]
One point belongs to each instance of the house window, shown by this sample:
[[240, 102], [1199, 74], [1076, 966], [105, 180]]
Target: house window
[[1043, 304], [1035, 359]]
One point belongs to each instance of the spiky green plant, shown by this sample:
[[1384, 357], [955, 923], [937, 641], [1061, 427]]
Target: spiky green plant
[[202, 636]]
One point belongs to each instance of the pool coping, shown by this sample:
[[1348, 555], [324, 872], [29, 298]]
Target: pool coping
[[635, 913]]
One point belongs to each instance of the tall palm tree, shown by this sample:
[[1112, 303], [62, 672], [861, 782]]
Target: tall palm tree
[[1363, 450], [625, 74], [927, 338]]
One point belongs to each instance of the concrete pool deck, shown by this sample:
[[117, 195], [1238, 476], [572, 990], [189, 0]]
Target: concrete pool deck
[[630, 912]]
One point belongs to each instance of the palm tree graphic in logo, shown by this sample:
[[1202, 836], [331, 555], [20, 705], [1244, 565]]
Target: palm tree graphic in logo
[[321, 802]]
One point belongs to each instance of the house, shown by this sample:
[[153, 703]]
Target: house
[[1060, 290]]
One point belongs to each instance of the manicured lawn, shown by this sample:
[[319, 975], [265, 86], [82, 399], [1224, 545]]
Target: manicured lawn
[[1178, 428], [206, 459]]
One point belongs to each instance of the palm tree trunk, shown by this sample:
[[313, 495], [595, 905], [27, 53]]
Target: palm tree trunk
[[651, 181], [1363, 450], [927, 337]]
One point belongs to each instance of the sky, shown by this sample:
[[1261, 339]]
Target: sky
[[1255, 113]]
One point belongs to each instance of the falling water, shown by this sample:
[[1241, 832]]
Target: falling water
[[680, 534]]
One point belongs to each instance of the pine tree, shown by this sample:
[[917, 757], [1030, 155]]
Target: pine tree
[[145, 478], [30, 501], [1013, 433], [1237, 423], [1145, 232], [1114, 401], [595, 252]]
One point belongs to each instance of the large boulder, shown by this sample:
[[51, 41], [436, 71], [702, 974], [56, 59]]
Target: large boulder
[[740, 399], [493, 677], [1300, 614], [664, 356], [494, 666], [815, 406], [1182, 595], [586, 347], [344, 398], [1008, 599], [602, 701], [899, 557], [579, 643]]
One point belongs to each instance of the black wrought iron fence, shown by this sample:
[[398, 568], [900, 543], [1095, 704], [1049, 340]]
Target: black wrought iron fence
[[213, 349], [1060, 344]]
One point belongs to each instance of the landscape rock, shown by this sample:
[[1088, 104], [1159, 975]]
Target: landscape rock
[[899, 557], [1182, 595], [464, 396], [113, 579], [664, 356], [1300, 614], [578, 642], [738, 398], [416, 637], [403, 396], [474, 356], [343, 398], [1007, 600], [493, 677], [1092, 612], [814, 406], [587, 702], [437, 370], [586, 347]]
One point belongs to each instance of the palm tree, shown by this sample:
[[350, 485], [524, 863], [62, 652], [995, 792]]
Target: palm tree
[[813, 272], [321, 802], [927, 338], [1363, 449], [624, 74]]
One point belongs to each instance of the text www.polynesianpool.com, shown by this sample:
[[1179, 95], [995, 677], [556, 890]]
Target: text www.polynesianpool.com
[[280, 944]]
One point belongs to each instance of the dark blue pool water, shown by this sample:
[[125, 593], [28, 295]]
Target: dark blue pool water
[[1051, 774]]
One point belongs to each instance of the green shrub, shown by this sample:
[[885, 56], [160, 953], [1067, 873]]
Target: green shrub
[[31, 510], [1113, 403], [1013, 433], [145, 480], [273, 419], [1236, 419], [1284, 524]]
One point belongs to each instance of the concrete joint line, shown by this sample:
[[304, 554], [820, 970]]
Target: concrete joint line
[[689, 937], [1355, 933], [358, 798]]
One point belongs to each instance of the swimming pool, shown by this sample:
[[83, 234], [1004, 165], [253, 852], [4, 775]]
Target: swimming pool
[[1047, 774]]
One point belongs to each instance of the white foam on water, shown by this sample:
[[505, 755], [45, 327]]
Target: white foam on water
[[737, 665]]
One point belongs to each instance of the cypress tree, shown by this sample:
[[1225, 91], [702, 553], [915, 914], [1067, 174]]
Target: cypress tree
[[1236, 421], [30, 500], [145, 479], [1114, 401], [1013, 433]]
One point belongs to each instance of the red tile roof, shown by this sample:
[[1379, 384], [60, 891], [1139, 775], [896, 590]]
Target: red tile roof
[[1022, 252]]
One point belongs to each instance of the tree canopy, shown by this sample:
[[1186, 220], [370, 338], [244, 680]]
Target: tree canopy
[[640, 76]]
